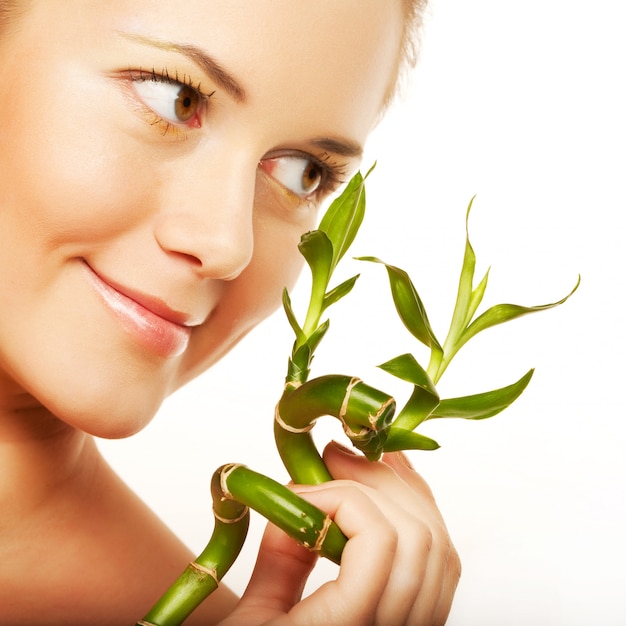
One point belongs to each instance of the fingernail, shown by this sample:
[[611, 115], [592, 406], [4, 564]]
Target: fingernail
[[341, 448], [403, 459]]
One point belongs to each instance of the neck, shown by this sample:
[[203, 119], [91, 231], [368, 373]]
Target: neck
[[39, 454]]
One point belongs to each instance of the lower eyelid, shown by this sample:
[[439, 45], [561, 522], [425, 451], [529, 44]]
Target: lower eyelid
[[130, 77], [333, 176]]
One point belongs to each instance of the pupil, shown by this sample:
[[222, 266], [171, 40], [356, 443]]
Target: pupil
[[311, 177], [186, 104]]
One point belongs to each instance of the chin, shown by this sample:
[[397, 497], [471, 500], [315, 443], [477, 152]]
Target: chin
[[114, 417]]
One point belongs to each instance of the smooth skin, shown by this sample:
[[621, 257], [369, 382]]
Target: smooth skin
[[172, 158]]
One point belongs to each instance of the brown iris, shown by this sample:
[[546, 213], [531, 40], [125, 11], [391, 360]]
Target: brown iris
[[311, 177], [186, 105]]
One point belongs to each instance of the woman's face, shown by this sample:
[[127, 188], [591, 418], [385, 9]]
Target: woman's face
[[158, 165]]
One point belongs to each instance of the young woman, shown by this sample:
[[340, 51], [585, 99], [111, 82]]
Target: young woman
[[158, 164]]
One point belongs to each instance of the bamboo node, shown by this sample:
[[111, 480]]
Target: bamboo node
[[373, 419], [230, 520], [212, 572], [344, 405], [322, 536], [227, 470], [291, 429], [144, 623]]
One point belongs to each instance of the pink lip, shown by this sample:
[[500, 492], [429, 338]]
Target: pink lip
[[149, 320]]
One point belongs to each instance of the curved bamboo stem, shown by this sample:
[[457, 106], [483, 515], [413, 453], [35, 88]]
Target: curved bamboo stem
[[364, 412], [201, 577], [298, 518]]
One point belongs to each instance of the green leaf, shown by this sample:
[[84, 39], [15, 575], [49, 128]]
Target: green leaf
[[339, 291], [501, 313], [317, 336], [424, 397], [344, 216], [293, 322], [298, 367], [476, 298], [482, 405], [460, 317], [407, 368], [400, 439], [317, 249], [408, 304]]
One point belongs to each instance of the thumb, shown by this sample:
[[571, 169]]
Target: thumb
[[277, 582]]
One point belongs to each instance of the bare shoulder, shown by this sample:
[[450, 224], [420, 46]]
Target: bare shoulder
[[105, 559]]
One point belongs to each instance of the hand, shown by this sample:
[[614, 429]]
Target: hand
[[399, 566]]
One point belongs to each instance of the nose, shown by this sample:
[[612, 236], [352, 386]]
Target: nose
[[206, 219]]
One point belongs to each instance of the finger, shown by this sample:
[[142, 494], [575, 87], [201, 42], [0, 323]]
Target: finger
[[409, 570], [393, 477], [444, 566], [366, 561], [278, 579], [403, 467], [426, 569], [448, 589]]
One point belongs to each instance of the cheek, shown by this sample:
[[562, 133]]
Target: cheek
[[252, 297], [67, 172]]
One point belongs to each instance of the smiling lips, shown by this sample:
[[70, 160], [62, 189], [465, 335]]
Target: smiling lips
[[151, 322]]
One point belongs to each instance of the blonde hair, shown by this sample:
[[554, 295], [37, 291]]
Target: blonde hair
[[414, 12]]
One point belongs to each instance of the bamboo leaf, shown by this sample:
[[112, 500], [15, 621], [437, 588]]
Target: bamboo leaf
[[417, 409], [317, 249], [408, 304], [317, 336], [298, 366], [476, 298], [400, 439], [501, 313], [408, 369], [343, 218], [339, 291], [424, 397], [482, 405], [460, 315], [293, 322]]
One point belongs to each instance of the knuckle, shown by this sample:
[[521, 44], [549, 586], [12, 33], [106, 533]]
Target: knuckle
[[454, 563], [426, 536], [389, 538]]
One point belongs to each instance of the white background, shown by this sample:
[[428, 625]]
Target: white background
[[522, 104]]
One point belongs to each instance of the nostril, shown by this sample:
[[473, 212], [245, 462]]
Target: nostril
[[187, 257], [215, 238], [210, 252]]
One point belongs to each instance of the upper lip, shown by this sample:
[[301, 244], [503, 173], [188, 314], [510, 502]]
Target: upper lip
[[152, 303]]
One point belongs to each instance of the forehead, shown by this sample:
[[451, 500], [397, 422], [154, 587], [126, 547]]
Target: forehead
[[334, 60]]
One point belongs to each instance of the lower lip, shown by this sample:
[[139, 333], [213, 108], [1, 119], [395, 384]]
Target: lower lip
[[151, 331]]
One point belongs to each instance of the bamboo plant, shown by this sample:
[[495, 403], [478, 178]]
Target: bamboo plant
[[367, 414]]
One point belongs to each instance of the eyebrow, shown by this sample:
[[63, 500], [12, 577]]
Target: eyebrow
[[342, 147], [207, 63]]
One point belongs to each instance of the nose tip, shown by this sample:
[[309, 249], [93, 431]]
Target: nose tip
[[217, 246], [206, 213]]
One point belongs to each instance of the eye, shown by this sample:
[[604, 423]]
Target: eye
[[300, 174], [172, 101]]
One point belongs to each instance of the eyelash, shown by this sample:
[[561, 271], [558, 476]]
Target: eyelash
[[333, 174], [167, 126]]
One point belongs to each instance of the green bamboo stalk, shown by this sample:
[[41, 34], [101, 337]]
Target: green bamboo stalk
[[365, 414], [298, 518], [201, 577]]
